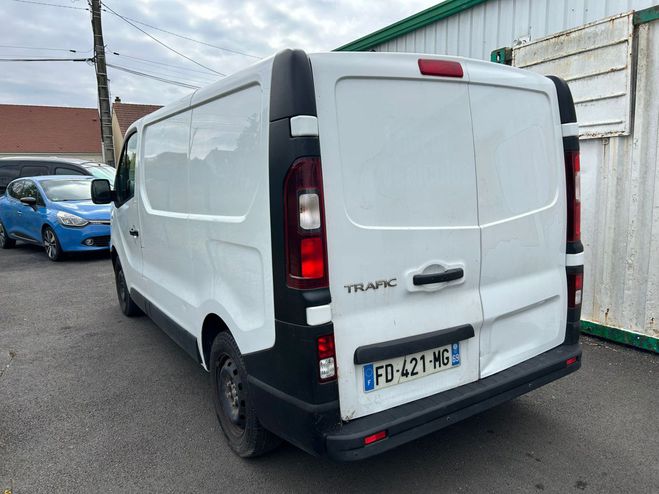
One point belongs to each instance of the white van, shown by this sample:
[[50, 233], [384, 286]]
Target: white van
[[361, 248]]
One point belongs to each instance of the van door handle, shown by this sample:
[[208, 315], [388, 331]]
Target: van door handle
[[448, 275], [133, 232]]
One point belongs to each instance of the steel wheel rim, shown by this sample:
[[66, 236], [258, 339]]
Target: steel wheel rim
[[50, 244], [231, 394]]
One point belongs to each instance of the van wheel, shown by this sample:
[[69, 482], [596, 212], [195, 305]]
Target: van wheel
[[128, 306], [233, 407], [51, 245], [5, 241]]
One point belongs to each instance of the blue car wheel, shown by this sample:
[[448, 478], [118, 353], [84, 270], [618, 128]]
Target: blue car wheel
[[5, 241], [51, 244]]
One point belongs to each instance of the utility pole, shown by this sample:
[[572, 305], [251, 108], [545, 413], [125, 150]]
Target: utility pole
[[102, 83]]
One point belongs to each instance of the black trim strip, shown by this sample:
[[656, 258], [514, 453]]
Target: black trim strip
[[412, 344], [565, 101], [574, 247], [179, 334], [24, 238], [291, 93], [574, 269]]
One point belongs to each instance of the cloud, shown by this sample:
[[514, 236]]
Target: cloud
[[254, 27]]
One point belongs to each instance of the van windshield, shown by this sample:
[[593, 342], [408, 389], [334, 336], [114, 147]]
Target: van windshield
[[67, 190]]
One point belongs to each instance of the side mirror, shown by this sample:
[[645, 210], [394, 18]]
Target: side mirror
[[102, 193], [29, 201]]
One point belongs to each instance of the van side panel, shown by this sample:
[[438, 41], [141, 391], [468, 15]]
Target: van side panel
[[164, 220], [205, 215], [521, 206], [229, 225]]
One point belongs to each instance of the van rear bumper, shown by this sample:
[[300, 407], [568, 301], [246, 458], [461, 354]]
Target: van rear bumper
[[317, 429]]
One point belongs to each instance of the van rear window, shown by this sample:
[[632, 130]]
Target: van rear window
[[406, 148]]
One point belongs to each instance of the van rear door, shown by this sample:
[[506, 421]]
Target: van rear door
[[522, 214], [402, 215]]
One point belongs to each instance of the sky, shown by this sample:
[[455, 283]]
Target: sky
[[255, 29]]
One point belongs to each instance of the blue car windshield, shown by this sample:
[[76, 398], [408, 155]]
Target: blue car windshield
[[67, 190]]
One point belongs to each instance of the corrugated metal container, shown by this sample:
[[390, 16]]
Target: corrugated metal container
[[612, 67]]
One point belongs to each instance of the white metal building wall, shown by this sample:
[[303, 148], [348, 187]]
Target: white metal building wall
[[494, 24]]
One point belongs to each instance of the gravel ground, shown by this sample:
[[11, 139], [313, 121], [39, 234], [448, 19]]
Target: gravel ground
[[91, 401]]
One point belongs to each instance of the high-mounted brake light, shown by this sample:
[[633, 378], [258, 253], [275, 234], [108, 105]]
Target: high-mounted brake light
[[306, 248], [442, 68], [573, 184], [326, 358]]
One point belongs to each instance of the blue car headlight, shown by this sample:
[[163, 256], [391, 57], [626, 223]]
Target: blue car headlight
[[68, 219]]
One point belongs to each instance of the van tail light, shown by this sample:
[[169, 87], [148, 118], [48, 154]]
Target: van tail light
[[574, 289], [306, 247], [326, 358], [573, 184]]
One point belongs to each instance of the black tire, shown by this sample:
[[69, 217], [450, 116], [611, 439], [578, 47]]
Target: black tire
[[126, 303], [233, 407], [51, 244], [5, 241]]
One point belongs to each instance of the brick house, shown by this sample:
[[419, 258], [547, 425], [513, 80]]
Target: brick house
[[50, 131]]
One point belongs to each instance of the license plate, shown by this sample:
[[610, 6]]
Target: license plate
[[398, 370]]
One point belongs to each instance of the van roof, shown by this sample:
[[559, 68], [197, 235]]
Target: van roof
[[49, 159]]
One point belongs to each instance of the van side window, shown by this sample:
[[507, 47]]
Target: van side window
[[124, 185], [67, 171], [8, 172], [34, 170]]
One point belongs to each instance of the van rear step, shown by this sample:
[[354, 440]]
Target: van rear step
[[419, 418]]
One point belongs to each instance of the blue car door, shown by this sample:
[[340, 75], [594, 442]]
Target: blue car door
[[12, 206], [32, 215]]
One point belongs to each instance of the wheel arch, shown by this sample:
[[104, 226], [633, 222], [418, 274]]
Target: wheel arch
[[212, 326], [114, 256]]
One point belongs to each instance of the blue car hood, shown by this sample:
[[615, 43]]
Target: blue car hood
[[86, 209]]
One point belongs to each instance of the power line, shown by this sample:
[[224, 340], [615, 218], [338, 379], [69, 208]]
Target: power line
[[184, 78], [51, 4], [237, 52], [151, 76], [44, 48], [161, 43], [162, 63], [46, 59]]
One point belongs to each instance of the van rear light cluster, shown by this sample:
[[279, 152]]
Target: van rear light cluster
[[574, 289], [326, 358], [306, 247], [573, 183]]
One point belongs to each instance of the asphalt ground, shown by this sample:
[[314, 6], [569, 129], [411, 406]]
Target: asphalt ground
[[91, 401]]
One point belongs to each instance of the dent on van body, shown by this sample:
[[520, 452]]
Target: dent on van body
[[521, 206]]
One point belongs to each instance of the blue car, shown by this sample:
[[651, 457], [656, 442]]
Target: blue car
[[54, 211]]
